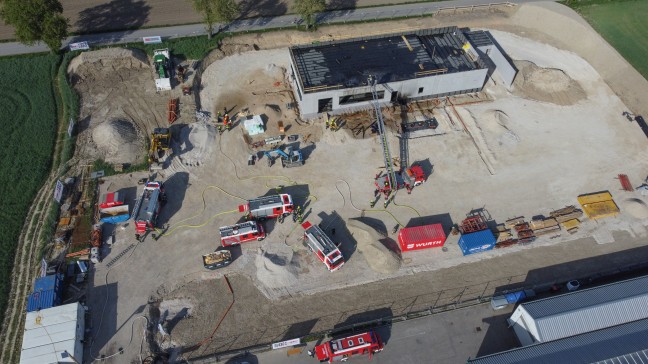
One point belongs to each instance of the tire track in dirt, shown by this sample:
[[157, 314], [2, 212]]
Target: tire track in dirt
[[23, 272]]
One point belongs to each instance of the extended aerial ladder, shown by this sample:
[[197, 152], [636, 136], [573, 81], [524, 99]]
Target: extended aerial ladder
[[389, 185]]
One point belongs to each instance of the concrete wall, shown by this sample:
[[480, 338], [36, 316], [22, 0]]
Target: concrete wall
[[503, 66], [433, 86]]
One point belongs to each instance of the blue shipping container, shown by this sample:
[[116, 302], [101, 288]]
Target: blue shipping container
[[48, 292], [477, 242]]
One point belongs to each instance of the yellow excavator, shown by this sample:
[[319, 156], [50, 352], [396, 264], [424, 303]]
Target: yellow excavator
[[160, 144]]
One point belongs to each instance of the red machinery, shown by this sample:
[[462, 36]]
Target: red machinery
[[240, 233], [407, 178], [148, 207], [323, 247], [343, 348], [268, 207]]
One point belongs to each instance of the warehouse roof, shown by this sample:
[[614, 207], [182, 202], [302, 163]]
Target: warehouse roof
[[394, 57], [589, 309], [618, 344]]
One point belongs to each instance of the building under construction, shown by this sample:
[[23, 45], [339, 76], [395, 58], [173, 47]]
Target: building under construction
[[333, 76]]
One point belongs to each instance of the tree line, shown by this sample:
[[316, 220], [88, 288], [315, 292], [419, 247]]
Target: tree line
[[43, 21]]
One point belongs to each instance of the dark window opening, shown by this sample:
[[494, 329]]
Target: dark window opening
[[324, 105], [420, 90], [394, 96], [367, 96]]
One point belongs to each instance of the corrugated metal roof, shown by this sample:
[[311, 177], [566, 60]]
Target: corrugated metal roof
[[610, 345], [51, 332], [590, 309], [478, 38], [42, 300]]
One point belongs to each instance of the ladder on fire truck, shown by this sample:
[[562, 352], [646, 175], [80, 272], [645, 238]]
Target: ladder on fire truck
[[391, 175]]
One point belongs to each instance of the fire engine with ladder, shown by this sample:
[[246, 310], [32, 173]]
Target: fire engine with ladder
[[240, 233], [323, 247], [342, 349], [392, 181], [268, 207], [147, 208]]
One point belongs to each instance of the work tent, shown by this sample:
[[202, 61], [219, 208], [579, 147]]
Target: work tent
[[54, 335], [253, 125]]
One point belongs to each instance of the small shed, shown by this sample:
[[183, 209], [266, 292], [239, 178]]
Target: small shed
[[54, 335]]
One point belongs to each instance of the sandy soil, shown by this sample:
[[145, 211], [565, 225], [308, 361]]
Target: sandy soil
[[523, 152]]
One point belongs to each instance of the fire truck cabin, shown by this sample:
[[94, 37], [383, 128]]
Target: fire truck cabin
[[240, 233], [269, 206], [341, 349], [323, 247]]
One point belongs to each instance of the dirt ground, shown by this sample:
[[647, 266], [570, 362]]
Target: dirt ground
[[101, 15], [557, 134]]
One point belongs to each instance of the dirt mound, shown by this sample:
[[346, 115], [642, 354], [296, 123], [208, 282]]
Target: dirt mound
[[379, 258], [115, 62], [118, 141], [635, 207], [196, 143], [546, 84], [274, 266]]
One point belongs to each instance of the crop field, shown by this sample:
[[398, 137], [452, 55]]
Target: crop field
[[623, 25], [28, 117]]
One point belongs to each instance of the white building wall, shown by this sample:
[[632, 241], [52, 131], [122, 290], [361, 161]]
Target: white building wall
[[432, 86]]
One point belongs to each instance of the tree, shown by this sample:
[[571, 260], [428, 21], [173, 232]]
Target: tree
[[216, 11], [308, 8], [36, 20]]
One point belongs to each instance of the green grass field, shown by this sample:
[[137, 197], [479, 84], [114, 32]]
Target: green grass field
[[623, 24], [29, 122]]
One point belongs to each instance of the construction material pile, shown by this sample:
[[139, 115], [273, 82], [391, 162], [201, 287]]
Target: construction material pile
[[118, 141], [274, 265], [379, 258], [196, 141], [546, 84]]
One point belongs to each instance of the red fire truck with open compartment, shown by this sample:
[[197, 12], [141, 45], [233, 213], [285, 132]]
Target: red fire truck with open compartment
[[240, 233], [323, 247], [342, 349]]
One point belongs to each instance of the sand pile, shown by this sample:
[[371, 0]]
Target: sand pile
[[118, 141], [109, 60], [635, 207], [274, 266], [379, 258], [196, 141], [546, 84]]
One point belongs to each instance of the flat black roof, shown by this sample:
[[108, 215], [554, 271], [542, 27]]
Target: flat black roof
[[478, 38], [389, 58]]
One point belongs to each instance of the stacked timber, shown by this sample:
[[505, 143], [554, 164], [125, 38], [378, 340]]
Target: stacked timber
[[510, 223], [566, 214], [544, 226], [571, 226]]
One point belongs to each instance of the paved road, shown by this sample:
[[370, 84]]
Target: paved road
[[450, 337], [338, 16]]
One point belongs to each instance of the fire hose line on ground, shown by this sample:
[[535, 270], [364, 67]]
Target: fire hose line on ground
[[374, 210], [103, 310], [210, 337]]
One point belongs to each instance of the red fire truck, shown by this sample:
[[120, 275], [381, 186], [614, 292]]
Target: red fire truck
[[147, 208], [407, 178], [268, 207], [323, 247], [342, 349], [240, 233]]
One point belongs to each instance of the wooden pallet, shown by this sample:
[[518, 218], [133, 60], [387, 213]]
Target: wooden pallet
[[172, 110]]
